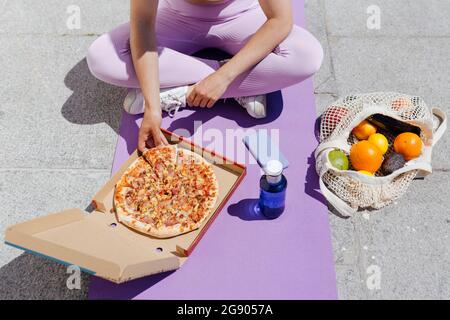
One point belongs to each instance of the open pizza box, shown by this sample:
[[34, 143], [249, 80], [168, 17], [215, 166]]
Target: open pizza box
[[99, 244]]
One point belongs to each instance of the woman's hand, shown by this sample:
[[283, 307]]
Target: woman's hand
[[206, 92], [150, 134]]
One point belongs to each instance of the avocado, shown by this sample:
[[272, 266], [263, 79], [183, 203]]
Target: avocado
[[393, 162]]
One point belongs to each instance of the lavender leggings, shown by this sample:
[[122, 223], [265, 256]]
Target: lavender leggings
[[183, 29]]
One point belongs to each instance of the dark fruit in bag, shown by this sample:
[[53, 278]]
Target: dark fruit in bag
[[392, 125], [392, 163]]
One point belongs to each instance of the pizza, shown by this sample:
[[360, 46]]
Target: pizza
[[166, 192]]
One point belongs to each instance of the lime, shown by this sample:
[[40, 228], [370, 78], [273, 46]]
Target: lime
[[338, 159]]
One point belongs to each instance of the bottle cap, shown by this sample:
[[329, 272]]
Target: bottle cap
[[274, 168]]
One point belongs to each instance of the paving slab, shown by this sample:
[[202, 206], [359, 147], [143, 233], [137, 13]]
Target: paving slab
[[30, 277], [345, 242], [62, 17], [324, 81], [405, 250], [409, 242], [350, 283], [63, 112], [405, 18], [323, 101]]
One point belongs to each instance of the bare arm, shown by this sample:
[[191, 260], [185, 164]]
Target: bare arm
[[145, 59], [277, 27]]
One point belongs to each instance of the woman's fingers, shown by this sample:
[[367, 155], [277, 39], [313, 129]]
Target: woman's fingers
[[142, 141], [211, 103], [141, 144], [156, 135], [204, 103], [197, 100], [190, 99], [159, 138], [156, 139], [200, 99]]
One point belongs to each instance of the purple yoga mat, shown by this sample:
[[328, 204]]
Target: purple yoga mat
[[243, 255]]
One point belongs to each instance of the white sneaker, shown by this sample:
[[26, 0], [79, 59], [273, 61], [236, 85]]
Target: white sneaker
[[172, 99], [134, 102], [256, 105]]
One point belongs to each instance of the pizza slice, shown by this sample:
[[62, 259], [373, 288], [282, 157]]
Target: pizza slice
[[129, 193]]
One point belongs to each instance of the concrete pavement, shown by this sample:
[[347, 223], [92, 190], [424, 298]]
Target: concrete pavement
[[402, 251]]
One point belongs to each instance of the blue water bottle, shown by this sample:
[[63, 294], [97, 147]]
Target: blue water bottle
[[273, 190]]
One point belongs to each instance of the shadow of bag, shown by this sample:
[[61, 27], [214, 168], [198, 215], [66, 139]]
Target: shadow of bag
[[348, 190]]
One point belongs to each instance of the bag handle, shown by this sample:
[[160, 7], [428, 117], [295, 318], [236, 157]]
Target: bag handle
[[340, 205], [440, 130]]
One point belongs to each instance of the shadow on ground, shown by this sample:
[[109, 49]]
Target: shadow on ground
[[92, 100], [29, 277], [247, 210]]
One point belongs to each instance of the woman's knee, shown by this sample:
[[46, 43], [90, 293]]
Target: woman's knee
[[97, 57], [305, 53], [109, 56]]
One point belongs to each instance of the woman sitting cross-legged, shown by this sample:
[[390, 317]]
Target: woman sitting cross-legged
[[152, 56]]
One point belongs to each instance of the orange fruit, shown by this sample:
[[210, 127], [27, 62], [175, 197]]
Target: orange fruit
[[367, 173], [380, 141], [364, 130], [409, 145], [366, 156]]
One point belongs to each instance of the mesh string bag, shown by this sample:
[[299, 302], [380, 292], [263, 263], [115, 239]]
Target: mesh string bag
[[348, 190]]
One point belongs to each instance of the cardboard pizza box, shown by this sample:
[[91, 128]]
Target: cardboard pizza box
[[99, 244]]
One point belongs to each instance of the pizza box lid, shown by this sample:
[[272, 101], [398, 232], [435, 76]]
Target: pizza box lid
[[99, 244]]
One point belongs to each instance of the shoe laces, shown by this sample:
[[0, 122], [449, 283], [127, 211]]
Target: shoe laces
[[239, 100], [242, 100], [172, 104]]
